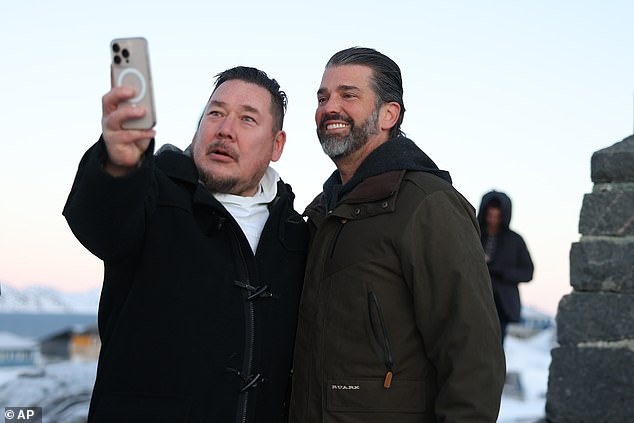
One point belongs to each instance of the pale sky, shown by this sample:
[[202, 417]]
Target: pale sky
[[511, 95]]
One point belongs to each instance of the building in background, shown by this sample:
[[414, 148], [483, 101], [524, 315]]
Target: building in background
[[74, 343], [17, 351]]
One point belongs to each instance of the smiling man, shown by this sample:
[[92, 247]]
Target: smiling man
[[397, 321], [204, 259]]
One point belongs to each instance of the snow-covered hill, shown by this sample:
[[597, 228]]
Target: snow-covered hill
[[39, 299]]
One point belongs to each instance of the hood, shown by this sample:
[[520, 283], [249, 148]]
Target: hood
[[399, 153], [505, 207]]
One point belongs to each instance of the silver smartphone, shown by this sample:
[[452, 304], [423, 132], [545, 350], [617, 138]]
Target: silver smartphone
[[131, 67]]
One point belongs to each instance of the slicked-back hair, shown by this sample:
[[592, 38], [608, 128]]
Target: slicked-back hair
[[260, 78], [386, 77]]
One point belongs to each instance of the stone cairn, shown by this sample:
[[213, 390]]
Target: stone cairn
[[592, 370]]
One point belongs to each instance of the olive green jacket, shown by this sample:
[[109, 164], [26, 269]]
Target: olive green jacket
[[397, 286]]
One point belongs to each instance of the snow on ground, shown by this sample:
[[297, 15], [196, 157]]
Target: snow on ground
[[62, 389], [529, 359], [9, 373]]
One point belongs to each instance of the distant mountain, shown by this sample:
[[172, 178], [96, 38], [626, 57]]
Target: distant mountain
[[39, 299]]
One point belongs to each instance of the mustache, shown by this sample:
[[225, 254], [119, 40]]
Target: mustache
[[335, 116], [224, 148]]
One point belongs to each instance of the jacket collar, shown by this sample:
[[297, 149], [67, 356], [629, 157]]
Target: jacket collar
[[396, 154], [176, 164], [375, 188], [378, 178], [373, 196]]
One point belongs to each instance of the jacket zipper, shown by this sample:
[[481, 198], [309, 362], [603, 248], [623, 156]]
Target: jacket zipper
[[249, 339], [373, 304]]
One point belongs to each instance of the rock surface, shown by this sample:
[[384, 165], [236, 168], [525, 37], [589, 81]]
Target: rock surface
[[591, 375]]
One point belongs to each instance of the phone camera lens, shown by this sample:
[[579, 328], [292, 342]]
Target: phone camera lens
[[117, 59], [125, 53], [115, 48]]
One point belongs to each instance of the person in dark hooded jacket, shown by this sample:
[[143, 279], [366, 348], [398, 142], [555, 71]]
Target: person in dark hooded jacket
[[507, 256], [397, 321]]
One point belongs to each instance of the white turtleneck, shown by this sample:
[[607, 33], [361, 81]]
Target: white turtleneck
[[251, 213]]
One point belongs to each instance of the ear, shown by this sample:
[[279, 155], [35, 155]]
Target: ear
[[389, 115], [278, 145]]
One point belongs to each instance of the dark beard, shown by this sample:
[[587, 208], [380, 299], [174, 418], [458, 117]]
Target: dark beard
[[216, 184], [232, 185], [338, 147], [219, 185]]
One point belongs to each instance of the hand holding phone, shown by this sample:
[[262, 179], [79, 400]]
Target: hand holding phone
[[128, 108], [131, 68]]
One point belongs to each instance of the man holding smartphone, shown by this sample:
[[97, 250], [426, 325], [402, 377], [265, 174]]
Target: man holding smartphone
[[204, 259]]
